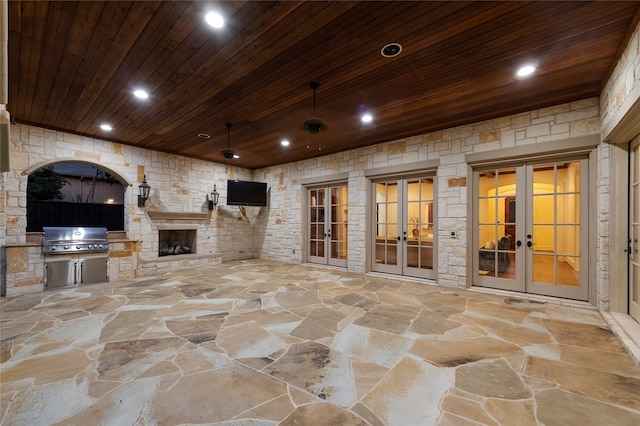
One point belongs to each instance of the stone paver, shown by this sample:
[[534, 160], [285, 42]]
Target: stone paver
[[263, 343]]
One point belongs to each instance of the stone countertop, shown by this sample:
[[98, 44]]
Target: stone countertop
[[25, 244], [39, 244]]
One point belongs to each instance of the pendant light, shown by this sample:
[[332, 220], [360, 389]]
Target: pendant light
[[228, 153], [315, 125]]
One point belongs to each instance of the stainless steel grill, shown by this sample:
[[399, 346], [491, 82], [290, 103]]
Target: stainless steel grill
[[71, 239]]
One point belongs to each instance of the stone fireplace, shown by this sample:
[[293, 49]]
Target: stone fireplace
[[172, 242]]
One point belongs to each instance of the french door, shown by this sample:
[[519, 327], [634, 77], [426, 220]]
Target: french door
[[531, 228], [328, 221], [633, 248], [404, 227]]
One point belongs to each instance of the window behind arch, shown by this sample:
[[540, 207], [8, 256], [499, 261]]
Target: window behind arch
[[74, 194]]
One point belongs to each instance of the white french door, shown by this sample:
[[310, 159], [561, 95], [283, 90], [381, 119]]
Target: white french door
[[328, 222], [633, 247], [404, 227], [531, 228]]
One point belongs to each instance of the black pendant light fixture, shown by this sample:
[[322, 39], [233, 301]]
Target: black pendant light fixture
[[228, 153], [315, 125]]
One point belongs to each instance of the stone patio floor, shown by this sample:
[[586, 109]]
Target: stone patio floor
[[263, 343]]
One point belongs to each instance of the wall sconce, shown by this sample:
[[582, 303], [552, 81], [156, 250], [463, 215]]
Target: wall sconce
[[144, 189], [213, 198]]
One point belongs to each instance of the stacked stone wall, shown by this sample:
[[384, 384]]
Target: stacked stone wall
[[284, 232], [179, 185]]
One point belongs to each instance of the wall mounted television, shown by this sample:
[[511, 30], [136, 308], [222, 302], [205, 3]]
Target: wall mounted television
[[246, 193]]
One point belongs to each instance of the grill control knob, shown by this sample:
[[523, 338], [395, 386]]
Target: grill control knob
[[66, 247], [77, 247]]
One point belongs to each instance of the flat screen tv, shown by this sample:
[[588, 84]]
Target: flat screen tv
[[246, 193]]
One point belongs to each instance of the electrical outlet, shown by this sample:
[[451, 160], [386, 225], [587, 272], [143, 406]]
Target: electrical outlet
[[453, 234]]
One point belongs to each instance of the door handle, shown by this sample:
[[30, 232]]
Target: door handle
[[529, 244], [518, 243]]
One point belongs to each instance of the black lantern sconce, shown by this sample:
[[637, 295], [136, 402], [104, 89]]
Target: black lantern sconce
[[213, 197], [144, 189]]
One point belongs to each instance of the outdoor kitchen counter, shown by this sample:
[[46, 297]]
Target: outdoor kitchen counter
[[25, 262]]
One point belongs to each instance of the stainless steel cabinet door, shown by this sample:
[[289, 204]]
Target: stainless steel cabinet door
[[94, 270], [60, 274]]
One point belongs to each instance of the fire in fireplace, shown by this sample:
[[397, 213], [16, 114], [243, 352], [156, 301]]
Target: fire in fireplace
[[173, 242]]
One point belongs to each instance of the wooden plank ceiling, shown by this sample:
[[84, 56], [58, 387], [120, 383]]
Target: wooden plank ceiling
[[74, 65]]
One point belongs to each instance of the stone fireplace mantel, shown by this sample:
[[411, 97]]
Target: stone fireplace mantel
[[159, 215]]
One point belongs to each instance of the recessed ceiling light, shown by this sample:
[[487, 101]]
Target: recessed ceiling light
[[214, 19], [366, 118], [284, 142], [526, 70], [106, 127], [140, 94], [391, 50]]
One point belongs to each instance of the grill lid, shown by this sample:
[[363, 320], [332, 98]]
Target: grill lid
[[65, 239]]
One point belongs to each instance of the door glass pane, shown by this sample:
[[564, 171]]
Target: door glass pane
[[635, 243], [413, 209], [569, 240], [496, 222], [387, 230], [635, 283], [568, 270], [556, 224], [544, 268], [316, 222], [543, 239], [339, 222], [419, 217], [634, 234], [568, 209], [413, 256], [543, 208]]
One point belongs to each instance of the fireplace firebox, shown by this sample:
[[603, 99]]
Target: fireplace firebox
[[172, 242]]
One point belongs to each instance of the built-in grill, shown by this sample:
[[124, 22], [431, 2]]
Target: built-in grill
[[72, 239], [88, 261]]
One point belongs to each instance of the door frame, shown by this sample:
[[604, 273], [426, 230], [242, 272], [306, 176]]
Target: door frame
[[633, 308], [401, 268], [544, 150], [524, 255], [585, 218], [328, 221], [306, 184]]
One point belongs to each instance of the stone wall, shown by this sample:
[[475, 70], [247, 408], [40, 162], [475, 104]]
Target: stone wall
[[619, 99], [622, 90], [179, 185], [283, 232]]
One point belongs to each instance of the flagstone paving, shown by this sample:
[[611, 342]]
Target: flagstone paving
[[255, 342]]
